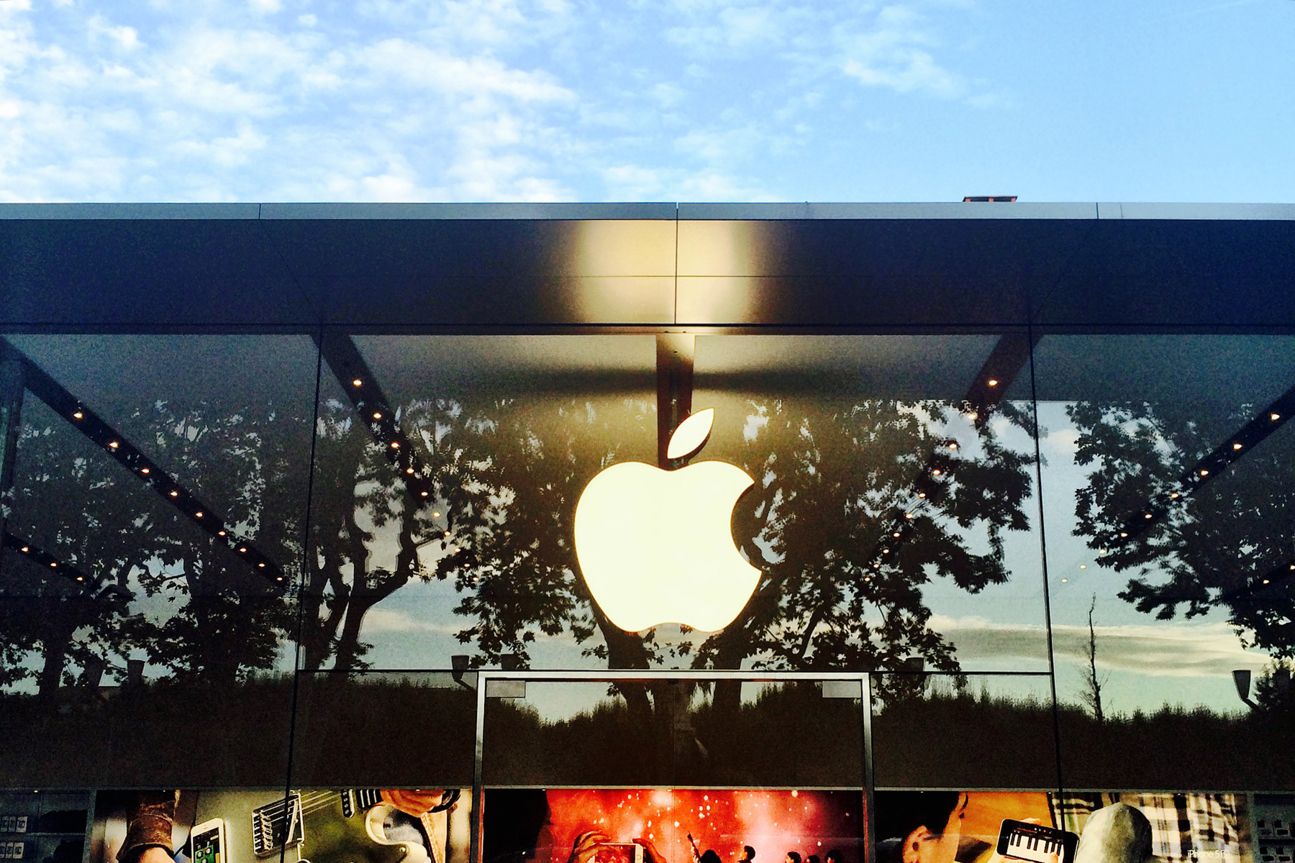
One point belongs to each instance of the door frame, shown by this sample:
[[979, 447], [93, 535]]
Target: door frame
[[485, 676]]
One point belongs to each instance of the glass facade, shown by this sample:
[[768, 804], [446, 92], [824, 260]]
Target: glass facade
[[1043, 568]]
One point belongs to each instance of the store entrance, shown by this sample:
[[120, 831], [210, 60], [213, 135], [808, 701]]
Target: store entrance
[[626, 752]]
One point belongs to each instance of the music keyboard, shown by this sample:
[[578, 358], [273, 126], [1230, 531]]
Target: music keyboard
[[1036, 843]]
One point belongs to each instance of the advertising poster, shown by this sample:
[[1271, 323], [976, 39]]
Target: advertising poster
[[1078, 827], [662, 825], [351, 825]]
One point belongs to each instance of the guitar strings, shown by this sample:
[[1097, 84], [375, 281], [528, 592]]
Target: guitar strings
[[307, 803]]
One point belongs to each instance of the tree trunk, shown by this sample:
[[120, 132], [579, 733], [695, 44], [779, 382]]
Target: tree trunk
[[51, 672], [348, 644]]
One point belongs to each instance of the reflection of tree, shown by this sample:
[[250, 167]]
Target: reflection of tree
[[1091, 695], [1208, 545], [833, 481], [838, 589], [354, 483], [156, 583]]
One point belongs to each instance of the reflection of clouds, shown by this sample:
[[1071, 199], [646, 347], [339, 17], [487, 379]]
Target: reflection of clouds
[[1172, 650], [389, 620], [1062, 441]]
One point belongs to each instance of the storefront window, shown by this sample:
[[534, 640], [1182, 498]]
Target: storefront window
[[1168, 464], [153, 533]]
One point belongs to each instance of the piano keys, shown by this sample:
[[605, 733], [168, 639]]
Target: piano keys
[[1036, 843]]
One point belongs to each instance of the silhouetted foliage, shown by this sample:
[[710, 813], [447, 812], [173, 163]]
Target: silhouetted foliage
[[832, 483], [1211, 540]]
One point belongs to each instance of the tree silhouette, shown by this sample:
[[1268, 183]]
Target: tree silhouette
[[1210, 542], [837, 589], [1091, 695], [155, 581]]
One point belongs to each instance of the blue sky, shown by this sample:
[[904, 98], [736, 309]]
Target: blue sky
[[377, 100]]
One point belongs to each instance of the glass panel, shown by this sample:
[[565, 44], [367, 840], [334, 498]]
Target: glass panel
[[446, 485], [153, 541], [449, 469], [387, 729], [963, 731], [726, 733], [894, 514], [1169, 464]]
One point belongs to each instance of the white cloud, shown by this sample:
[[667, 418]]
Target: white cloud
[[402, 61], [896, 53], [455, 99], [388, 620], [1151, 650], [126, 38]]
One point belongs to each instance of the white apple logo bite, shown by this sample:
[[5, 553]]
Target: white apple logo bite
[[656, 546]]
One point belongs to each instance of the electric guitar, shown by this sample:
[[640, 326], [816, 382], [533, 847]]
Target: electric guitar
[[307, 827]]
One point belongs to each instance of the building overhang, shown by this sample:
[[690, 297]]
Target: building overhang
[[655, 266]]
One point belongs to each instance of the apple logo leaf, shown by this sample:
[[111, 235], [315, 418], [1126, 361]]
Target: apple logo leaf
[[691, 434]]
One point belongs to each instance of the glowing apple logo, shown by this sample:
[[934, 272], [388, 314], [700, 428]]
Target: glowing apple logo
[[656, 546]]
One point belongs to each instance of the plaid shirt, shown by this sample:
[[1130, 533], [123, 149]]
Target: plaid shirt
[[1185, 828]]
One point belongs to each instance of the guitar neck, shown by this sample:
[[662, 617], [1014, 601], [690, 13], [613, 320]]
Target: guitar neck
[[279, 824], [360, 799]]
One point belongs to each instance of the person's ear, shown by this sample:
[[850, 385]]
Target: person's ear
[[913, 844]]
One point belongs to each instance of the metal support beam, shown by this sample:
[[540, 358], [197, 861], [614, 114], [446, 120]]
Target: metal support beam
[[11, 395], [674, 363]]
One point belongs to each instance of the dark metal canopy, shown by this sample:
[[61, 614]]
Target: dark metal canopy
[[838, 266]]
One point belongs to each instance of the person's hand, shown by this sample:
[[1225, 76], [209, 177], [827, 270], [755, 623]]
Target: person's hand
[[586, 846], [651, 854], [412, 801], [154, 854]]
